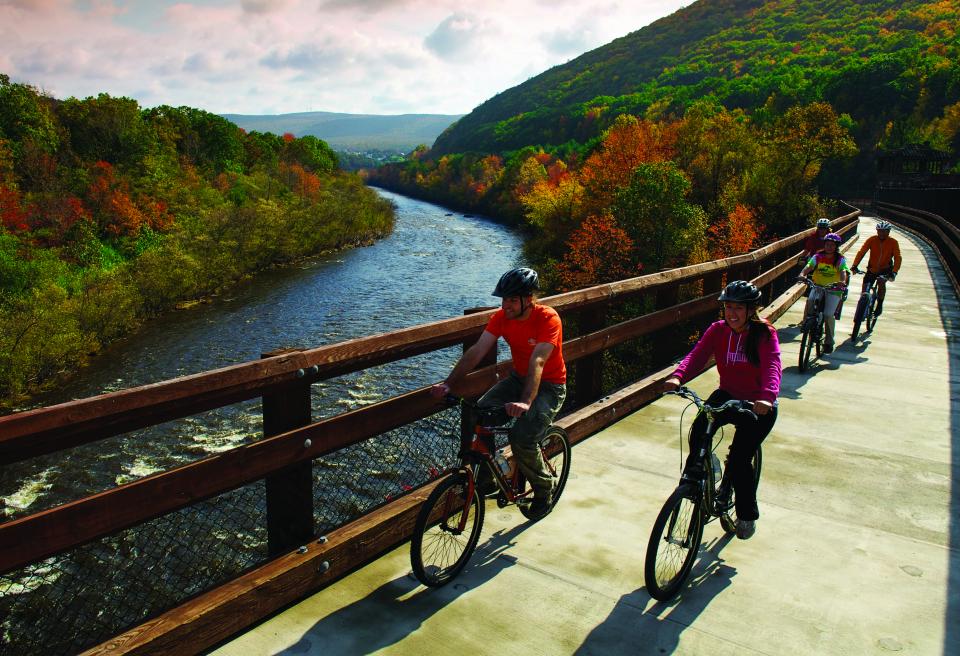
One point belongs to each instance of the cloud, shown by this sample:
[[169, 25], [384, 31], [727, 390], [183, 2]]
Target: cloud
[[263, 6], [567, 41], [458, 34]]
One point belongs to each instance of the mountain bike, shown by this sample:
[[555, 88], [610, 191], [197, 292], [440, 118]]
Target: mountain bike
[[812, 327], [867, 306], [448, 526], [705, 493]]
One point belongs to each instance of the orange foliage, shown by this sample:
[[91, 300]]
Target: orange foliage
[[627, 144], [288, 137], [116, 212], [301, 181], [737, 233], [600, 251]]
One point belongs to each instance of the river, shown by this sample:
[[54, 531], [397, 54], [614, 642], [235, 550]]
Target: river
[[434, 265]]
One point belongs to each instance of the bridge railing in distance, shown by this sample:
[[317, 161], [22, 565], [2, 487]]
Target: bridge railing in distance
[[943, 234], [279, 471]]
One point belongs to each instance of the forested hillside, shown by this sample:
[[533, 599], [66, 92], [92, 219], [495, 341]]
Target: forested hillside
[[706, 133], [111, 213]]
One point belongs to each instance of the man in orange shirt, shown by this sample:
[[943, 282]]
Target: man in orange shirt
[[884, 260], [537, 386]]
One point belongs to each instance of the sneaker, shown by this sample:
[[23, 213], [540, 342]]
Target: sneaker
[[746, 528], [828, 348]]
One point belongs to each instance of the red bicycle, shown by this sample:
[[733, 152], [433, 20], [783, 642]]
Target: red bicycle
[[448, 526]]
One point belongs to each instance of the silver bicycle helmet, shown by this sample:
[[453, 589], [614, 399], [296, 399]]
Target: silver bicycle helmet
[[823, 223], [517, 282], [884, 225]]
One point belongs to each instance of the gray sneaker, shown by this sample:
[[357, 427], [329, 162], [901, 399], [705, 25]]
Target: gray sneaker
[[746, 528]]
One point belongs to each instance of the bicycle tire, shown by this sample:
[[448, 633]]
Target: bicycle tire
[[728, 518], [556, 453], [819, 333], [872, 313], [858, 317], [674, 543], [805, 343], [438, 553]]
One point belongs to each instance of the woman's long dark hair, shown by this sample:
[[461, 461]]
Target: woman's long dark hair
[[757, 329]]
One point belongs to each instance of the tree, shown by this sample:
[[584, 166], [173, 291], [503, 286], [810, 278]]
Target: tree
[[654, 211], [628, 143], [599, 251]]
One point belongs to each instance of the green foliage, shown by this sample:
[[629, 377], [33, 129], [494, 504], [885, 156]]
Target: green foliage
[[656, 215], [110, 214]]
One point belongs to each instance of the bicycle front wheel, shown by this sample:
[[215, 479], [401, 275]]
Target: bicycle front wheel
[[872, 313], [555, 451], [446, 532], [806, 346], [858, 317], [818, 334], [674, 543]]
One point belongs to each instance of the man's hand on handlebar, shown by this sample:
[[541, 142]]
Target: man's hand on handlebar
[[516, 409], [440, 390]]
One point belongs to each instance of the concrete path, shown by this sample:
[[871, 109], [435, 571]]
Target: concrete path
[[857, 550]]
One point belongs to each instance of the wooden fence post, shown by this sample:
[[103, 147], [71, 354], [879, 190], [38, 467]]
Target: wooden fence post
[[290, 490], [589, 370]]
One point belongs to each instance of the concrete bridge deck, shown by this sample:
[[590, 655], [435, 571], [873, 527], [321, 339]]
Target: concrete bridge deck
[[857, 550]]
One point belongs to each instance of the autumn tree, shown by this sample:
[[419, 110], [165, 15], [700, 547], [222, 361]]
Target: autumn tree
[[599, 251], [626, 144], [734, 234]]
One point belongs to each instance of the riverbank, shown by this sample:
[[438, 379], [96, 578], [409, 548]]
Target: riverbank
[[55, 330]]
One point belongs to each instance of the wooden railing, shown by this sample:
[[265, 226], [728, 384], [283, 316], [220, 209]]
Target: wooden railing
[[940, 232], [303, 561]]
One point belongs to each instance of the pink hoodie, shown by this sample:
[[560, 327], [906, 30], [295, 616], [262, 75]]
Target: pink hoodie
[[738, 377]]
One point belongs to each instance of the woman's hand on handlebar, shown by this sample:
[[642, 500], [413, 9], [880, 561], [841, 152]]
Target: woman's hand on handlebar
[[671, 384], [761, 408]]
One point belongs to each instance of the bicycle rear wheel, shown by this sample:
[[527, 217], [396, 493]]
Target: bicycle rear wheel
[[674, 543], [728, 516], [555, 451], [439, 548]]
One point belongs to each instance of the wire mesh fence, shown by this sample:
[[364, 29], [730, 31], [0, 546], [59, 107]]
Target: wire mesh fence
[[89, 594]]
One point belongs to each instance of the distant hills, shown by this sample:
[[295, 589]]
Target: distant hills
[[353, 132]]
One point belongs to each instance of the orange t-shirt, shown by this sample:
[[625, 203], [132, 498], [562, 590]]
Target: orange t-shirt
[[543, 325]]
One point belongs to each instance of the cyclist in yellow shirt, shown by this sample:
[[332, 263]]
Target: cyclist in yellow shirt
[[828, 267], [884, 259]]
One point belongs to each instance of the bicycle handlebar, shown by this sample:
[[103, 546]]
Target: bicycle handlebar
[[885, 277], [733, 404], [836, 286]]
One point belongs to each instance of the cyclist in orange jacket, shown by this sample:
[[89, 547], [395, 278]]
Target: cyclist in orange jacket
[[884, 259]]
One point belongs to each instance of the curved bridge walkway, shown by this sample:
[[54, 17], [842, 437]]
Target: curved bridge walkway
[[857, 550]]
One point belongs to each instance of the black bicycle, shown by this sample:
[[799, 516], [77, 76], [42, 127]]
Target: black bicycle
[[705, 493], [448, 526], [866, 313], [812, 327]]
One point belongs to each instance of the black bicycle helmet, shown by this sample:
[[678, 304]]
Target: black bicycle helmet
[[740, 291], [517, 282]]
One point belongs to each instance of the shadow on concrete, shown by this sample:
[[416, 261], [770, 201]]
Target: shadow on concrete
[[949, 309], [639, 625], [359, 629]]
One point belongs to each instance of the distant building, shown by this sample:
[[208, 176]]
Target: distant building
[[915, 167]]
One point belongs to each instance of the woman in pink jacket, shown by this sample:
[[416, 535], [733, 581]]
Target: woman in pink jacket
[[747, 352]]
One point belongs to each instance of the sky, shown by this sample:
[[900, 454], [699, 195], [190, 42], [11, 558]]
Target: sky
[[284, 56]]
